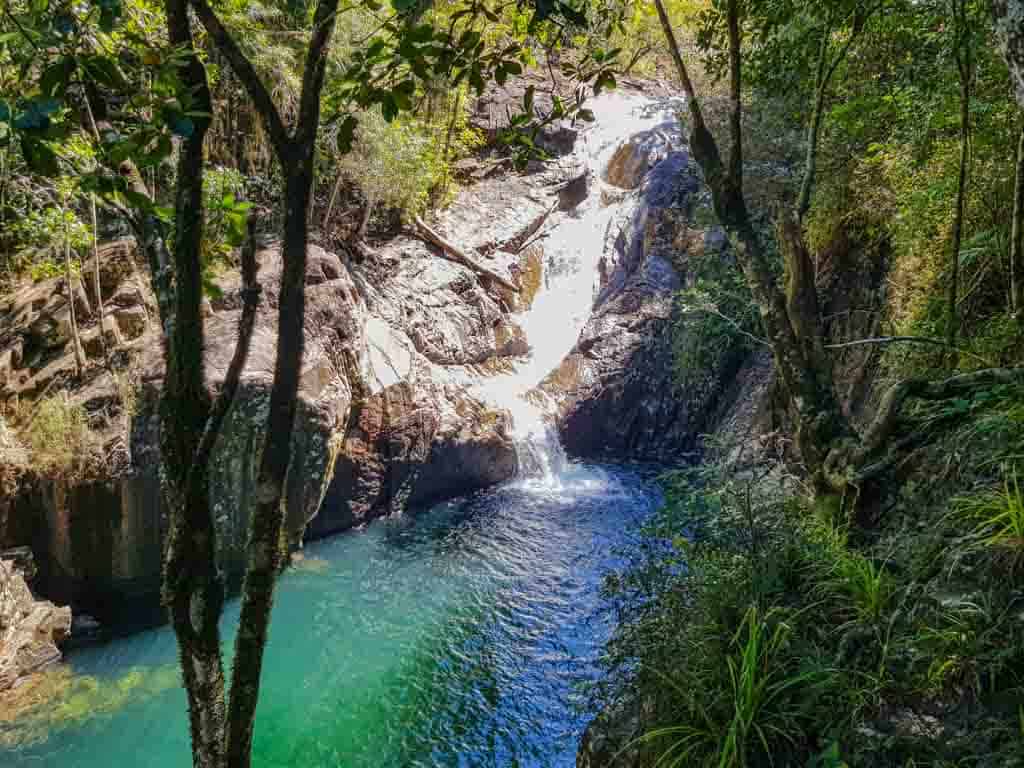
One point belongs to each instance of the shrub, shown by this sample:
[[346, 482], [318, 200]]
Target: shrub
[[998, 522], [58, 438]]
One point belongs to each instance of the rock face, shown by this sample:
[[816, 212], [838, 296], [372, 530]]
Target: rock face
[[30, 630], [616, 390], [393, 342]]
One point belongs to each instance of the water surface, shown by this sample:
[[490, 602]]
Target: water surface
[[460, 637]]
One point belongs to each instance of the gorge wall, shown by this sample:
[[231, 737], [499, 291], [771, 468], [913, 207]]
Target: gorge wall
[[397, 340]]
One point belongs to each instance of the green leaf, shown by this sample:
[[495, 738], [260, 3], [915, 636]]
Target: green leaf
[[346, 134], [54, 80], [422, 33], [389, 107], [39, 156], [585, 115], [183, 126], [403, 93], [500, 75], [402, 5], [36, 115], [606, 79], [106, 72]]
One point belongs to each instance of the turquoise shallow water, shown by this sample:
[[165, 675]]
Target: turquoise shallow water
[[458, 637]]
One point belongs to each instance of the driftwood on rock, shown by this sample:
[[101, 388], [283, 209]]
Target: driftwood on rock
[[452, 253]]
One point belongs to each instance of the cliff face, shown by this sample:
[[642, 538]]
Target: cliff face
[[30, 630], [394, 338], [617, 390]]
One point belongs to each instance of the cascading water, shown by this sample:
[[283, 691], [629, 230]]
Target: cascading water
[[573, 247], [459, 637]]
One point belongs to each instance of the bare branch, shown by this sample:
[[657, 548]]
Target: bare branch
[[884, 340]]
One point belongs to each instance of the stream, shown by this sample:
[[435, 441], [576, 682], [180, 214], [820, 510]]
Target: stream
[[464, 635]]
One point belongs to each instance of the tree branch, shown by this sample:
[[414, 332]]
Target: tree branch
[[250, 292], [882, 340], [246, 72], [455, 254], [314, 71]]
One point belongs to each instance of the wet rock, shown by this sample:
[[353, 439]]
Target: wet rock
[[574, 192], [616, 389], [30, 630], [635, 157]]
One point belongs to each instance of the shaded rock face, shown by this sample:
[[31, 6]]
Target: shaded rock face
[[616, 390], [30, 630]]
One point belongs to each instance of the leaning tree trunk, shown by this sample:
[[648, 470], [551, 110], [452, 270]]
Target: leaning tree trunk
[[791, 321], [69, 278]]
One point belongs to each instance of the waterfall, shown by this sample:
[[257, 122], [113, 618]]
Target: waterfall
[[573, 246]]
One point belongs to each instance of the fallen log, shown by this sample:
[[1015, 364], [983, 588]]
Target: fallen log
[[455, 254]]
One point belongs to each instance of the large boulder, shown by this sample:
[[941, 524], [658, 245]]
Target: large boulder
[[632, 159], [31, 630]]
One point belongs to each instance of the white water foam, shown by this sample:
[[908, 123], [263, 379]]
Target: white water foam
[[573, 247]]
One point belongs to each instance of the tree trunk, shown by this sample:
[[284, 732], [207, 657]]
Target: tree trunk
[[266, 547], [69, 278], [963, 62], [364, 222], [96, 278], [1017, 233], [791, 321], [193, 590]]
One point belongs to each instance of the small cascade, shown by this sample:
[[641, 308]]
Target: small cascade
[[573, 248], [538, 449]]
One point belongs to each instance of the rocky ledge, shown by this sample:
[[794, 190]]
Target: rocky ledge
[[31, 631], [396, 335]]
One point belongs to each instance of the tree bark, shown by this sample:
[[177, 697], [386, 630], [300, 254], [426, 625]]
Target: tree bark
[[962, 52], [96, 279], [193, 588], [1017, 233], [265, 548]]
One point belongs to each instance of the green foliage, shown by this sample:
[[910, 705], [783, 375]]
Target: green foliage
[[395, 163], [715, 323], [997, 518], [759, 630], [58, 438]]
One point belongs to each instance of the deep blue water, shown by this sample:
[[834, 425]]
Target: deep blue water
[[462, 636]]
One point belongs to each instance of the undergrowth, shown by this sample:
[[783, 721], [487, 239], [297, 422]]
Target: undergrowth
[[756, 629]]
